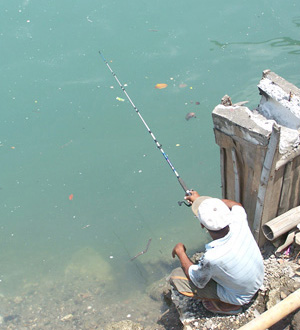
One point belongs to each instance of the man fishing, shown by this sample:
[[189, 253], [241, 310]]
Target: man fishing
[[230, 271]]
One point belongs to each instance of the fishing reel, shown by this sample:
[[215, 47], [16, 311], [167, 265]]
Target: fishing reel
[[188, 193], [185, 203]]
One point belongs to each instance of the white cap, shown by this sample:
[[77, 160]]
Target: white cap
[[213, 214]]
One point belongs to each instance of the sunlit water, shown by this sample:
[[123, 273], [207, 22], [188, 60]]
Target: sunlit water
[[83, 187]]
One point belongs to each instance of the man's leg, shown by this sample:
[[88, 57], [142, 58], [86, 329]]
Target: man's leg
[[186, 287], [208, 294]]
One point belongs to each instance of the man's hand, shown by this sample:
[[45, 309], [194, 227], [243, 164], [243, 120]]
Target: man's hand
[[178, 250], [192, 197]]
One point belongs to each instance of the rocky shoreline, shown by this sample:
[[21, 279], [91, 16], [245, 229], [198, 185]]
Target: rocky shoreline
[[85, 303], [282, 277]]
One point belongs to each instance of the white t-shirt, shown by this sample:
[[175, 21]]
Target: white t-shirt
[[234, 262]]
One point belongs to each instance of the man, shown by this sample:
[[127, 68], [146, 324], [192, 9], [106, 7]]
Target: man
[[230, 271]]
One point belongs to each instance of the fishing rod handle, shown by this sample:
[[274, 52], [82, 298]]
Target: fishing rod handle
[[184, 186]]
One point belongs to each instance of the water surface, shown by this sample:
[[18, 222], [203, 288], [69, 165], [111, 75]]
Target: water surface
[[63, 132]]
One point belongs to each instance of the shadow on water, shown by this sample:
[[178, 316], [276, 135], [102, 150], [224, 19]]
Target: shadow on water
[[296, 21], [283, 42]]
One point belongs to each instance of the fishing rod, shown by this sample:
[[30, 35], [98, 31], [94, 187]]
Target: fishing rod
[[158, 145]]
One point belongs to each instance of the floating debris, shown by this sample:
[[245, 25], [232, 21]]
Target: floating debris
[[120, 99], [161, 86], [182, 85], [142, 252], [197, 103], [66, 144], [190, 115]]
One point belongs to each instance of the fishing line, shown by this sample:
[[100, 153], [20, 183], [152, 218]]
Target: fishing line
[[158, 145]]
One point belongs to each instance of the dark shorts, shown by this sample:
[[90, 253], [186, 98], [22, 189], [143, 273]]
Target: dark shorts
[[186, 287]]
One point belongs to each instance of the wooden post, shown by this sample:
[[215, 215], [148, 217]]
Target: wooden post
[[260, 153]]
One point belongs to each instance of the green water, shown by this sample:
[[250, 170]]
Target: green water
[[64, 132]]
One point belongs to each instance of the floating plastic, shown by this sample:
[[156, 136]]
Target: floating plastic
[[161, 86]]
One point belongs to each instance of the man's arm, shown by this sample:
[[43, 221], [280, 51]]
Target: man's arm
[[230, 203], [185, 261], [194, 195]]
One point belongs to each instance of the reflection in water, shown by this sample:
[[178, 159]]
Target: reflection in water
[[276, 42]]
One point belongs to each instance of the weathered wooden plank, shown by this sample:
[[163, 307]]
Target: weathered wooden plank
[[285, 190], [248, 186], [229, 183], [295, 188], [222, 139], [265, 175], [236, 172], [273, 195], [272, 198], [249, 159], [222, 167], [287, 158], [254, 173]]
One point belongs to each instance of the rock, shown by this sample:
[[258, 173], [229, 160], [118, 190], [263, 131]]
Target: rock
[[18, 300], [68, 317], [256, 313], [124, 325], [296, 321], [280, 280], [297, 239], [187, 327], [11, 317], [226, 101], [283, 295], [89, 263], [158, 289], [208, 324]]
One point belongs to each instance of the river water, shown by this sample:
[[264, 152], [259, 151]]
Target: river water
[[83, 187]]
